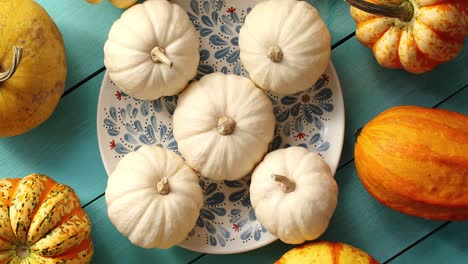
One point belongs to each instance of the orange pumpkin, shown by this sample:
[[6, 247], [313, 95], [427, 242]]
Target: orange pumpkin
[[117, 3], [415, 160], [416, 35], [41, 221]]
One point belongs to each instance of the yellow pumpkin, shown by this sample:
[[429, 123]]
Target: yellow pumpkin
[[33, 79], [41, 221], [415, 160], [117, 3], [416, 35], [324, 252]]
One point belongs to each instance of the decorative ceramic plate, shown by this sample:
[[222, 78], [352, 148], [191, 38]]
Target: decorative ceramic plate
[[313, 119]]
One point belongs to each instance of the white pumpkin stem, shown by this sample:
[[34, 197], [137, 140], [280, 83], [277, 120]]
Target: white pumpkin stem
[[226, 125], [404, 11], [287, 185], [17, 53], [275, 54], [158, 55], [163, 187]]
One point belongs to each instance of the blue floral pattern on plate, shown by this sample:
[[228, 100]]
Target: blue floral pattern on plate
[[227, 221]]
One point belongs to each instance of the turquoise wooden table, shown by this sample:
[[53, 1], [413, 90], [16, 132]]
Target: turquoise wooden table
[[66, 147]]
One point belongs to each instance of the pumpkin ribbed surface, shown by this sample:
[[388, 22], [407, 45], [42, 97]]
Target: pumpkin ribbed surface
[[41, 221], [415, 160], [153, 198], [152, 50], [284, 45], [298, 183], [223, 125]]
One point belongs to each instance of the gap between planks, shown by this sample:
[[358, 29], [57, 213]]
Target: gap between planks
[[415, 243], [85, 80]]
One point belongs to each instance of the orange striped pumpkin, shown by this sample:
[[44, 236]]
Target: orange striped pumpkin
[[324, 252], [41, 221], [415, 160], [421, 34]]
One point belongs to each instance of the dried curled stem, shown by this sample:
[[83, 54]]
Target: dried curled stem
[[287, 185]]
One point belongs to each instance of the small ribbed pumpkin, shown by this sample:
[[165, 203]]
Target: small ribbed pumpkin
[[416, 35], [415, 160], [41, 221]]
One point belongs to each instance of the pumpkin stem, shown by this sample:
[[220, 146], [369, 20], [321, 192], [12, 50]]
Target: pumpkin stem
[[287, 185], [404, 11], [158, 55], [22, 251], [275, 54], [163, 187], [226, 125], [17, 52], [357, 133]]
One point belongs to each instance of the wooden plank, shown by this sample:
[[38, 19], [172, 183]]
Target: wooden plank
[[336, 16], [369, 89], [112, 247], [448, 245], [64, 147], [84, 29]]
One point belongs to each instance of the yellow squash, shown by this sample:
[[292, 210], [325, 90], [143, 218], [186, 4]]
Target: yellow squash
[[415, 160], [33, 79], [326, 253], [416, 35], [41, 221]]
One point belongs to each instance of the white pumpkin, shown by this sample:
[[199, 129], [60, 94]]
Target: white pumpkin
[[284, 45], [152, 50], [223, 125], [294, 194], [153, 198]]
